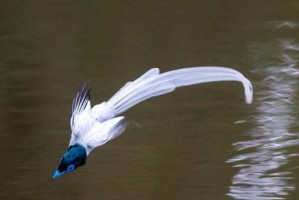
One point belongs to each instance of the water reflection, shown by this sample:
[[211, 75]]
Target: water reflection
[[262, 158]]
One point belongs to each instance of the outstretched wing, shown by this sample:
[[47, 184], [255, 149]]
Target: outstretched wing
[[101, 133], [81, 99], [80, 119]]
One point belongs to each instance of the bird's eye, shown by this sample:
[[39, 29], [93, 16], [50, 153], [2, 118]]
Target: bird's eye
[[70, 167]]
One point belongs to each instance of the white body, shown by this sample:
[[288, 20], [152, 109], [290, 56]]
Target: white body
[[93, 127]]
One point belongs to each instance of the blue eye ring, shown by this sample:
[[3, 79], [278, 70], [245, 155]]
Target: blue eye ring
[[71, 167]]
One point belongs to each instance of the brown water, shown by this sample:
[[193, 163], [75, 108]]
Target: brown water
[[201, 142]]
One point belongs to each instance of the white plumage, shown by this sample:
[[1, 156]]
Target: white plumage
[[93, 127]]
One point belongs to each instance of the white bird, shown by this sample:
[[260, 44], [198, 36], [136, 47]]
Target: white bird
[[94, 126]]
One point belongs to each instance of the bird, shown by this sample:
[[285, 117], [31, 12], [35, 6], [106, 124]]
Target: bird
[[92, 127]]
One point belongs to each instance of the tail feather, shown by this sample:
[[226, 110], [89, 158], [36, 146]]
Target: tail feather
[[123, 91], [197, 75], [146, 93], [154, 84]]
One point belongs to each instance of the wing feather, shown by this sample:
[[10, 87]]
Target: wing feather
[[101, 133], [80, 120], [81, 99]]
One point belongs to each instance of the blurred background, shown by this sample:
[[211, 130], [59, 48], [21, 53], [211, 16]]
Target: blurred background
[[200, 142]]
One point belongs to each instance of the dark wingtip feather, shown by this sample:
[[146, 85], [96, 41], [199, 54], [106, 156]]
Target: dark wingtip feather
[[80, 101], [85, 91]]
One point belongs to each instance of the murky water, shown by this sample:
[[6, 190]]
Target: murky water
[[201, 142]]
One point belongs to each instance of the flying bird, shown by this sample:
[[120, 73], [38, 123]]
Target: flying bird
[[92, 127]]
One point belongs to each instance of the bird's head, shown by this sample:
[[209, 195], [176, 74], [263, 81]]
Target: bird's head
[[72, 159]]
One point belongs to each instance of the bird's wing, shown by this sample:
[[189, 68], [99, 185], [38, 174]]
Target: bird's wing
[[101, 133], [81, 100], [152, 83], [80, 119]]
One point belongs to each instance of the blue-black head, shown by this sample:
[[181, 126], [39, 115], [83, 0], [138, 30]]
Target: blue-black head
[[72, 159]]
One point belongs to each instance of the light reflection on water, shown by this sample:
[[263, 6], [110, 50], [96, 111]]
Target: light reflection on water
[[261, 158]]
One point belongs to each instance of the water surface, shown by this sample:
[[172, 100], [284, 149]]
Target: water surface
[[201, 142]]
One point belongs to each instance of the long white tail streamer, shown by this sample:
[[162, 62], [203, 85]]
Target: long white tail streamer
[[152, 84]]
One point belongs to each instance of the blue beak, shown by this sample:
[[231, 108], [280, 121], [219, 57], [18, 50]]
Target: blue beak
[[57, 174]]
